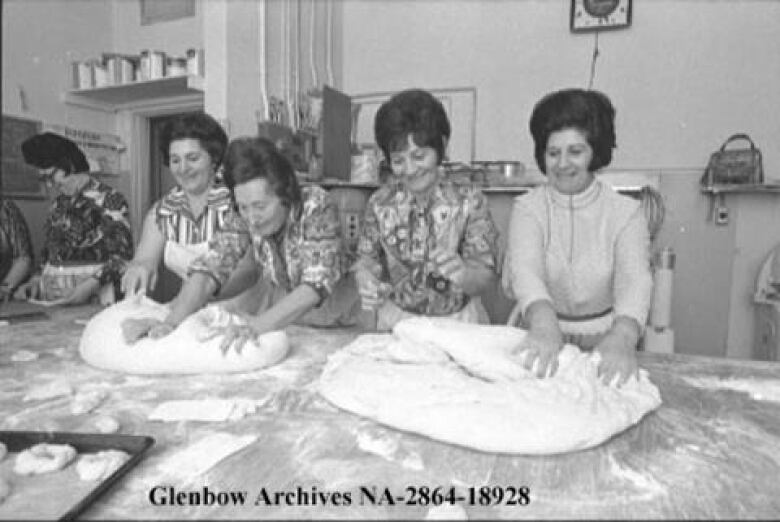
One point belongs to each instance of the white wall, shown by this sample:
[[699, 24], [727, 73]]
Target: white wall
[[683, 77]]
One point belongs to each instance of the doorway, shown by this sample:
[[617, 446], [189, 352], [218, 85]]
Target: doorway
[[160, 183]]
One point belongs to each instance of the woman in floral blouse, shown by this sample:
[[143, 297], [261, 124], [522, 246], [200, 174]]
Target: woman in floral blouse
[[427, 246], [87, 232], [16, 256], [295, 238]]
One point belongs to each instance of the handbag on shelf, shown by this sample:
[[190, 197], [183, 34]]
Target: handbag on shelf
[[734, 166]]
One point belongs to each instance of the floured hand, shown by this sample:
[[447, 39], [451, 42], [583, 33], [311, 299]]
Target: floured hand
[[134, 329], [539, 353], [618, 358]]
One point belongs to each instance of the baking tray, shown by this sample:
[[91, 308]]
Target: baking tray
[[135, 445], [21, 311]]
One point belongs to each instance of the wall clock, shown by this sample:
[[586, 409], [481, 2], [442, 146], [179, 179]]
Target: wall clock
[[596, 15]]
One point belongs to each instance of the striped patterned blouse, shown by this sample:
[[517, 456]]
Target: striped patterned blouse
[[177, 223]]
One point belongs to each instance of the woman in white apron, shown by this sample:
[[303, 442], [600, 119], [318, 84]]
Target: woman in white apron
[[578, 252], [178, 227], [427, 246]]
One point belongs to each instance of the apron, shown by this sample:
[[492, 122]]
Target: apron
[[178, 257], [57, 281]]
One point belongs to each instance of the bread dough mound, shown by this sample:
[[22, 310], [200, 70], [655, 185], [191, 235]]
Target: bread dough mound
[[44, 458], [181, 351], [456, 382], [99, 466]]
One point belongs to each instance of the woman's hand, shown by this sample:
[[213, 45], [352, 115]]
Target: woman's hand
[[373, 292], [29, 290], [135, 328], [618, 353], [81, 293], [138, 278], [234, 334], [451, 266], [542, 347]]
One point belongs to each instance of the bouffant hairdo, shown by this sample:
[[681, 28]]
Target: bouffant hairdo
[[249, 158], [196, 126], [590, 112], [412, 112], [48, 150]]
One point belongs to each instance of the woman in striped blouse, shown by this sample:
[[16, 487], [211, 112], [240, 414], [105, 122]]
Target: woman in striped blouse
[[178, 227]]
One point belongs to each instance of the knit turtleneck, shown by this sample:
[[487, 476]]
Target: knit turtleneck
[[582, 199]]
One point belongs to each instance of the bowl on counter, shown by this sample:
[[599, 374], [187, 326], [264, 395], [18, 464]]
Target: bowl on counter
[[502, 173]]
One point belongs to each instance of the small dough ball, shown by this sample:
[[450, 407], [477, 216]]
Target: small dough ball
[[5, 490], [447, 512], [98, 466], [3, 451], [106, 424], [44, 458]]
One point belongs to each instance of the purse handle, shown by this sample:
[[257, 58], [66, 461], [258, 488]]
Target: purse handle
[[738, 136]]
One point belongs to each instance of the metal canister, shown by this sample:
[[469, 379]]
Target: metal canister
[[195, 63], [156, 65], [144, 66]]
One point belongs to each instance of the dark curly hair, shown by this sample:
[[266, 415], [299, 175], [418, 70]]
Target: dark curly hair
[[590, 112], [249, 158], [48, 150], [412, 112], [196, 126]]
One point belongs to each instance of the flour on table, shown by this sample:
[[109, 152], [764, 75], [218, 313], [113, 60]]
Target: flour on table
[[204, 454], [24, 356], [48, 391], [459, 383], [3, 451], [758, 389], [87, 400], [5, 490], [106, 424], [182, 351], [207, 410]]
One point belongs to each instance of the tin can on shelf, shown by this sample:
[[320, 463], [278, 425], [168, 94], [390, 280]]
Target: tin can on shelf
[[195, 62]]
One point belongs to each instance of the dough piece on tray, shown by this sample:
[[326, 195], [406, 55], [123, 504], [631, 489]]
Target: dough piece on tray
[[182, 351], [44, 458], [480, 396], [100, 465]]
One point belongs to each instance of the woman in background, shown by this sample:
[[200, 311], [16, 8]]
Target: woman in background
[[578, 252], [87, 232], [427, 246]]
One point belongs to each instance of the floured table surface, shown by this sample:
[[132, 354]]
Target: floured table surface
[[708, 452]]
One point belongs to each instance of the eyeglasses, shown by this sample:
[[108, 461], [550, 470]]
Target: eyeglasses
[[47, 175]]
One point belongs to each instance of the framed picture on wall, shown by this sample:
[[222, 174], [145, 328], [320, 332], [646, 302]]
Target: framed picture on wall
[[18, 180], [153, 11]]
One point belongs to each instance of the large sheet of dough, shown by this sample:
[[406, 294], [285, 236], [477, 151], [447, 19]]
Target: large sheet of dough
[[182, 351], [456, 382]]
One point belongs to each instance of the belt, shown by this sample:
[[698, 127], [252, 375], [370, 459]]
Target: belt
[[586, 317]]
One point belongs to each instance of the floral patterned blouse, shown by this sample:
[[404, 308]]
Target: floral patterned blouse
[[93, 227], [14, 236], [307, 250], [399, 237]]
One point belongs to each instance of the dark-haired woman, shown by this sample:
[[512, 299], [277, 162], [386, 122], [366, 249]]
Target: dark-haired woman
[[178, 227], [293, 236], [87, 232], [427, 246], [578, 252]]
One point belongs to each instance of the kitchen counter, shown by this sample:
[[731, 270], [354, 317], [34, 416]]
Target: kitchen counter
[[711, 451]]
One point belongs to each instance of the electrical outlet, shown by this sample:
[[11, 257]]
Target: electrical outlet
[[352, 220], [722, 216]]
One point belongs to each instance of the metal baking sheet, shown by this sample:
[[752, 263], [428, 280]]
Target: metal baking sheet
[[16, 441], [21, 311]]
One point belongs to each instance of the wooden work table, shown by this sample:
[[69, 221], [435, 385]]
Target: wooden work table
[[710, 451]]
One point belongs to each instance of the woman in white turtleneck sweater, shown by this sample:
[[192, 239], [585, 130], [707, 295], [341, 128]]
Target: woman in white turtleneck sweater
[[578, 252]]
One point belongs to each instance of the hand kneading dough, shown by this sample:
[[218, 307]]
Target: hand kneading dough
[[474, 394], [181, 351]]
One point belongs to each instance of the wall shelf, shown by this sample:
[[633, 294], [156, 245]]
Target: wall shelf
[[116, 97], [763, 188]]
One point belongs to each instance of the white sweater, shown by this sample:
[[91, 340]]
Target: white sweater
[[584, 253]]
